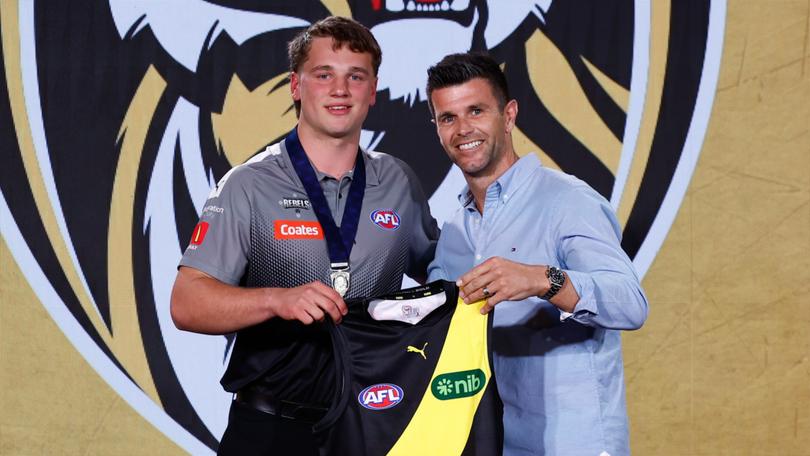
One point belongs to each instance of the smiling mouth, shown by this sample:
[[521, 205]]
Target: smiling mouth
[[470, 145], [338, 109]]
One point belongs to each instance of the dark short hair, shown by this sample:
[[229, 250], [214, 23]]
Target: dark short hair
[[456, 69], [344, 31]]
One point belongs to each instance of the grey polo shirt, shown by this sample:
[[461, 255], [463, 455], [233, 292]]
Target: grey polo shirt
[[258, 229]]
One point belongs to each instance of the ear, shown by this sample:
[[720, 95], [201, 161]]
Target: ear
[[373, 92], [295, 86], [510, 112]]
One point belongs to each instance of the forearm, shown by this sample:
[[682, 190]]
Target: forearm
[[203, 304]]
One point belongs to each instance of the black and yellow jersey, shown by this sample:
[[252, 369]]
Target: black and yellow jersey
[[419, 386]]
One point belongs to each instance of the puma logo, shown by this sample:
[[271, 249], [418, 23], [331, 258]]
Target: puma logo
[[412, 349]]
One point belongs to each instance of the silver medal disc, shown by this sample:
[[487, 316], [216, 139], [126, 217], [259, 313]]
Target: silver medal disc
[[340, 281]]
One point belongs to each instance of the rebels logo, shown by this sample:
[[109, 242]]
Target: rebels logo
[[380, 396], [295, 229], [386, 219]]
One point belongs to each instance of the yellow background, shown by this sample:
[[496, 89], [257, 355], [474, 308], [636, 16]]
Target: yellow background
[[722, 365]]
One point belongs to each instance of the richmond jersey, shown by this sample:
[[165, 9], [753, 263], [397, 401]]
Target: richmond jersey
[[418, 384]]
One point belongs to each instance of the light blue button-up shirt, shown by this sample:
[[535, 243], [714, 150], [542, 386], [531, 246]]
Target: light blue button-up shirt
[[560, 375]]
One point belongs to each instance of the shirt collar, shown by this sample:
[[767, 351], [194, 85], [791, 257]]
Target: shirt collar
[[507, 183], [372, 175], [323, 176]]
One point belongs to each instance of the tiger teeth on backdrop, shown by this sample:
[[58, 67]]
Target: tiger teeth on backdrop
[[416, 5]]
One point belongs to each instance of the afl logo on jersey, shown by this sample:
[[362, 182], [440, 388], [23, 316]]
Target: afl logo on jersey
[[380, 396], [386, 219]]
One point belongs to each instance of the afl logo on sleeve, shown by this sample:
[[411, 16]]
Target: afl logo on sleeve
[[386, 219], [380, 396]]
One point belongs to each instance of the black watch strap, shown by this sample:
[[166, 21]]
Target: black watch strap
[[557, 279]]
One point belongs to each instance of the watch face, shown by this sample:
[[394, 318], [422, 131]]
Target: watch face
[[556, 276]]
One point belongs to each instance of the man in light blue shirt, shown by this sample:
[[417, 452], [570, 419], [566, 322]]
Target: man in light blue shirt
[[543, 249]]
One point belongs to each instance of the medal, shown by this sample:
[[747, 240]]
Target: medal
[[339, 240], [340, 276]]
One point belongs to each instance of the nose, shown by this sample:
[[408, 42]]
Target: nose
[[340, 87], [463, 126]]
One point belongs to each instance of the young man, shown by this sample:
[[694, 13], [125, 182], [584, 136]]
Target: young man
[[286, 236], [544, 249]]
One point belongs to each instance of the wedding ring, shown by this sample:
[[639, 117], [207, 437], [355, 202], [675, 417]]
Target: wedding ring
[[487, 293]]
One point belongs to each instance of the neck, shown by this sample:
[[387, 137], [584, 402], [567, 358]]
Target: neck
[[332, 156], [480, 182]]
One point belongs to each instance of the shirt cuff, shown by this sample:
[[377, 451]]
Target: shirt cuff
[[586, 307]]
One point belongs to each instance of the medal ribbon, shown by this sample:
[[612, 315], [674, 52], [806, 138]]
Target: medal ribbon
[[338, 241]]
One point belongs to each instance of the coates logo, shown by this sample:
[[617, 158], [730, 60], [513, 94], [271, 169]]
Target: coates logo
[[380, 396], [293, 229], [386, 219]]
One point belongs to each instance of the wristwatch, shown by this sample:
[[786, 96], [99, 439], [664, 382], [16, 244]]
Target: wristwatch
[[557, 279]]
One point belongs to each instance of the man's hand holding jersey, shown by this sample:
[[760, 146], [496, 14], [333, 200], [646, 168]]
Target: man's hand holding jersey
[[498, 279]]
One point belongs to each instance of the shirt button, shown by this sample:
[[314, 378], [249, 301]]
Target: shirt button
[[477, 256]]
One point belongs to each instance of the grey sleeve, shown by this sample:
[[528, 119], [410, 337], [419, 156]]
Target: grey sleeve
[[220, 243]]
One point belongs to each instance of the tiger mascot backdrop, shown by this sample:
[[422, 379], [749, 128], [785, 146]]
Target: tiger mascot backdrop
[[118, 117]]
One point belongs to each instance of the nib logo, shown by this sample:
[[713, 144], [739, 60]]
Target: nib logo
[[455, 385]]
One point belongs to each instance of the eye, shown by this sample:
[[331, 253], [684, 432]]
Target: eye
[[322, 76], [357, 77], [446, 120], [476, 111]]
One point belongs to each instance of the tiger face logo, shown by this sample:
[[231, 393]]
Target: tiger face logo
[[126, 114]]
